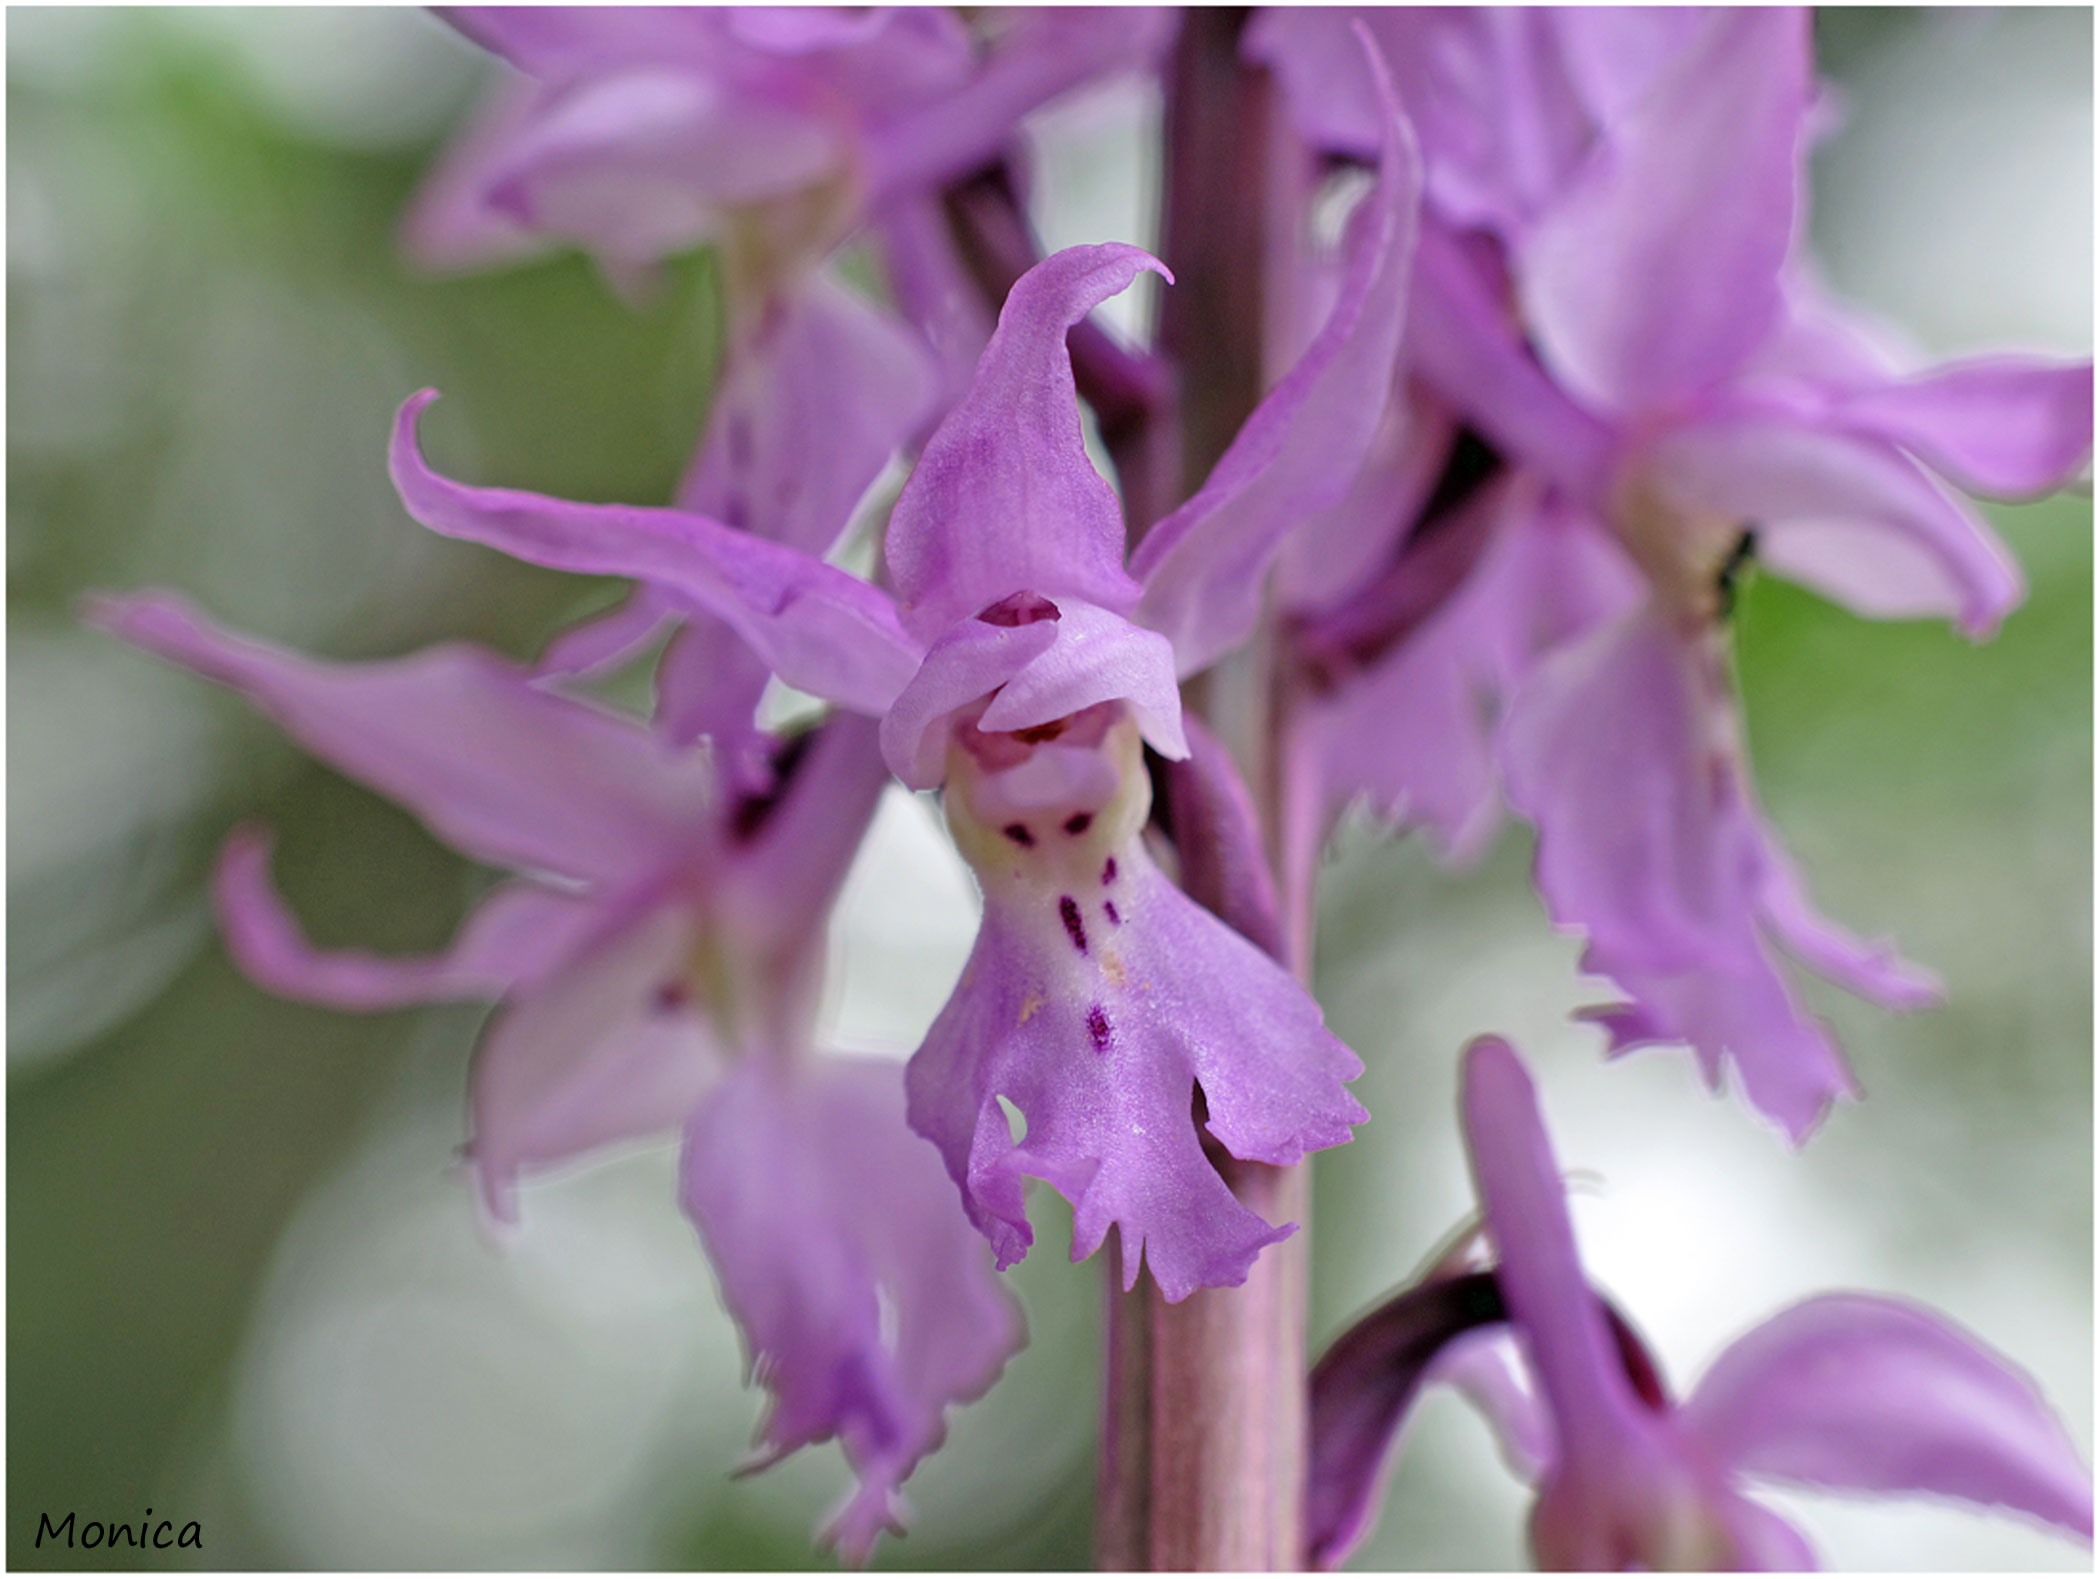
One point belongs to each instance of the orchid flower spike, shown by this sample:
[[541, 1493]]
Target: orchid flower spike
[[1843, 1392], [1020, 663], [654, 967]]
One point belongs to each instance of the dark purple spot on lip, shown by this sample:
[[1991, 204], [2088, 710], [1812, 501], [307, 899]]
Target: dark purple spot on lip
[[1075, 929], [1018, 832], [1098, 1028], [1078, 823], [1108, 907], [1108, 872], [671, 996]]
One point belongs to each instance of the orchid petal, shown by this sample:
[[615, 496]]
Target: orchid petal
[[1414, 728], [1313, 52], [1217, 833], [1602, 751], [513, 937], [1203, 565], [603, 642], [867, 1302], [810, 408], [1486, 1369], [1047, 51], [881, 59], [1873, 970], [1847, 517], [1097, 657], [1500, 124], [820, 629], [1414, 734], [1615, 55], [640, 160], [610, 1048], [789, 849], [708, 687], [1760, 1541], [1004, 499], [1648, 841], [1658, 270], [2008, 426], [451, 226], [1537, 1265], [496, 766], [967, 662], [1855, 1393], [556, 41], [1100, 1018], [1459, 340], [1342, 547], [933, 290]]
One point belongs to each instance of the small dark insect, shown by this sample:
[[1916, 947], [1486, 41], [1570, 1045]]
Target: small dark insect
[[1739, 559]]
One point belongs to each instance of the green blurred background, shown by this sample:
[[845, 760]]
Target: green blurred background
[[245, 1286]]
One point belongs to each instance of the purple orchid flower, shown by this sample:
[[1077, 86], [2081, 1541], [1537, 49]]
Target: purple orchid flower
[[654, 966], [1019, 662], [1844, 1392], [772, 130], [1637, 337], [773, 134]]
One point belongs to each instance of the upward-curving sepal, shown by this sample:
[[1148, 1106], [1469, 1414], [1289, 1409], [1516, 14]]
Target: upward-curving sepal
[[1203, 566], [513, 937], [820, 629], [1004, 498]]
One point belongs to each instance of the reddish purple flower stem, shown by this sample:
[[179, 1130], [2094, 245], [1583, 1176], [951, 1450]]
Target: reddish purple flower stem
[[1204, 1433]]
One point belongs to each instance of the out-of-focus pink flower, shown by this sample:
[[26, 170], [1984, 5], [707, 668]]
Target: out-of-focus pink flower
[[1844, 1392], [1608, 295], [771, 131], [655, 965]]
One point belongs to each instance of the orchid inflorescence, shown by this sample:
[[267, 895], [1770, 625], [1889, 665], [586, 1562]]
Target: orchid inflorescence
[[1467, 536]]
